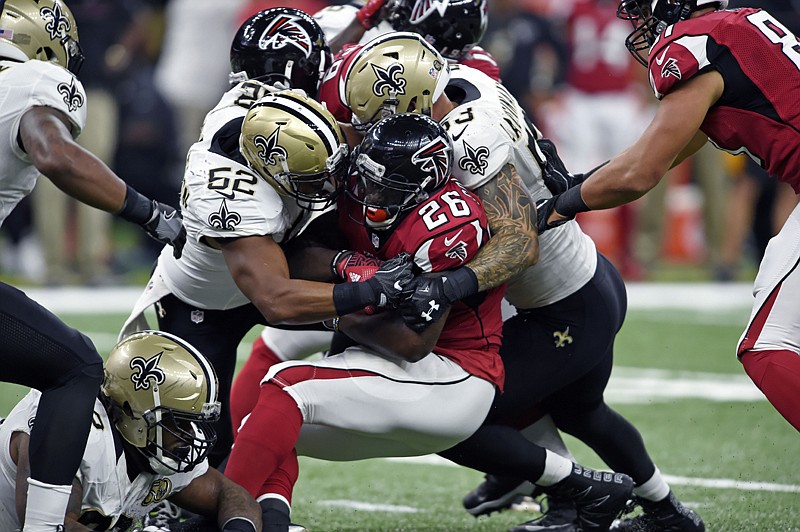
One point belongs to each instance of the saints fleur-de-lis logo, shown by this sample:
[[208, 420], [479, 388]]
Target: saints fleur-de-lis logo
[[72, 96], [389, 80], [475, 160], [160, 489], [671, 69], [286, 31], [268, 148], [145, 371], [224, 219], [562, 338], [433, 158], [56, 24]]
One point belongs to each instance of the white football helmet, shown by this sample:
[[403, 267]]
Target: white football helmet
[[650, 17], [395, 73], [163, 399], [40, 29]]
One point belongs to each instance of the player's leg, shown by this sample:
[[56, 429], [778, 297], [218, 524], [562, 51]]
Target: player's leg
[[770, 346], [216, 334], [272, 347], [42, 352]]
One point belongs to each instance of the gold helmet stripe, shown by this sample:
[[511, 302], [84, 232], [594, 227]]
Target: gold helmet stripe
[[308, 115]]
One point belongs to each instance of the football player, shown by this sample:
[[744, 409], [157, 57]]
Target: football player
[[150, 436], [398, 391], [558, 348], [730, 77], [42, 110], [234, 273]]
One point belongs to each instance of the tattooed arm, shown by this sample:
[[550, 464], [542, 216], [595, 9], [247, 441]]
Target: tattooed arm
[[512, 219]]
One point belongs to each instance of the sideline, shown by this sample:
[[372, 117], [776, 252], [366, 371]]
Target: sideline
[[695, 296]]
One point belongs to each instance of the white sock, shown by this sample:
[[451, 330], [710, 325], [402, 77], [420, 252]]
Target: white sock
[[545, 434], [556, 469], [655, 489], [46, 507]]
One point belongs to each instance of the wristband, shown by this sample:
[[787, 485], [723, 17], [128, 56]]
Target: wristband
[[570, 203], [350, 297], [461, 283], [136, 208], [239, 524]]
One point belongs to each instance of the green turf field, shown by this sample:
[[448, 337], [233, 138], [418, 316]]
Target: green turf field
[[725, 450]]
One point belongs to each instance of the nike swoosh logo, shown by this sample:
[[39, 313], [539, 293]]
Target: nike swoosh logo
[[449, 241], [660, 60], [229, 195], [169, 215], [398, 286], [456, 137]]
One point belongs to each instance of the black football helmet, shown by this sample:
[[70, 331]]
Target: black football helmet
[[451, 26], [283, 46], [401, 161], [650, 17]]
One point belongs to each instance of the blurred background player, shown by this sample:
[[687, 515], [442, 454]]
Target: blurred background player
[[43, 109]]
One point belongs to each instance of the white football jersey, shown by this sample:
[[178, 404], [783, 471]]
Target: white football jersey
[[23, 86], [223, 198], [334, 19], [489, 130], [108, 493]]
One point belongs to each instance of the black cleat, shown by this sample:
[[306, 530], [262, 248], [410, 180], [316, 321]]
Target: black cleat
[[666, 515], [599, 496], [560, 516], [496, 493]]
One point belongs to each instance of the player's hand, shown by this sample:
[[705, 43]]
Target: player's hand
[[546, 215], [555, 175], [427, 303], [354, 267], [391, 280], [166, 226], [370, 14]]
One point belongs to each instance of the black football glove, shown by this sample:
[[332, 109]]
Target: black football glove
[[166, 226], [426, 304], [555, 175], [391, 280]]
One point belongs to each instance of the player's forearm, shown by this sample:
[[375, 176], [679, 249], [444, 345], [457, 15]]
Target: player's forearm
[[505, 255], [387, 334]]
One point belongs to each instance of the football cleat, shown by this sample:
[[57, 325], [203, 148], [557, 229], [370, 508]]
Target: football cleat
[[495, 494], [560, 516], [161, 517], [667, 515], [599, 496]]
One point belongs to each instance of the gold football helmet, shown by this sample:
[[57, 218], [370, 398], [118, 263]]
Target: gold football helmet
[[40, 29], [163, 398], [297, 146], [395, 73]]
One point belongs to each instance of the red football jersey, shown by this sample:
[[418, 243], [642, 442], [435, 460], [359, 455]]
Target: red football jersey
[[331, 90], [443, 233], [759, 59]]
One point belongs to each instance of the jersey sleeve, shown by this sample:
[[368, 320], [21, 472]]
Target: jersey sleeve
[[331, 90], [56, 87], [479, 150], [480, 59], [226, 200]]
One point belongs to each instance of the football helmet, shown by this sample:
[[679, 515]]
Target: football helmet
[[280, 46], [394, 73], [650, 17], [297, 146], [451, 26], [163, 398], [40, 29], [401, 161]]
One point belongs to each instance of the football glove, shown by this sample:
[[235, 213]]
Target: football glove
[[370, 14], [390, 281], [353, 266], [433, 294], [555, 175], [166, 226]]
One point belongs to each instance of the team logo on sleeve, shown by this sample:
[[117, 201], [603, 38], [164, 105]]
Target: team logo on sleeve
[[423, 8], [145, 371], [671, 69], [224, 219], [459, 251], [433, 158], [72, 96], [56, 24], [389, 80], [475, 160], [160, 489], [285, 31]]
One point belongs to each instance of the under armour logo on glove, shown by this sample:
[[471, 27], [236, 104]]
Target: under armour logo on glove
[[428, 316], [426, 305]]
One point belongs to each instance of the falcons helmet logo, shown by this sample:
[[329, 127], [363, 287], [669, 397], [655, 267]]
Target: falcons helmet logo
[[268, 148], [285, 31], [433, 158], [389, 80], [423, 8]]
